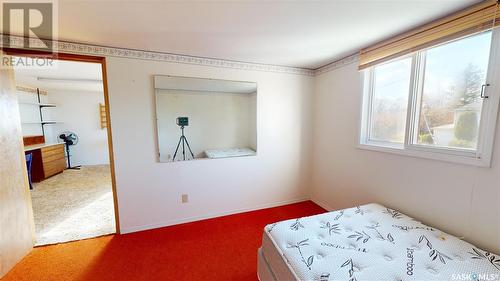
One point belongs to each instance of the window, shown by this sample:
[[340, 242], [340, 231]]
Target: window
[[435, 103], [391, 83], [450, 108]]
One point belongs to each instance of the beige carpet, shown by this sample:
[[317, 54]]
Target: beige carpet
[[74, 205]]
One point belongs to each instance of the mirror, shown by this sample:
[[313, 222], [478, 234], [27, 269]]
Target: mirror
[[201, 118]]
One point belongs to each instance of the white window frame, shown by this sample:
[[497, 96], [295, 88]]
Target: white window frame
[[479, 157]]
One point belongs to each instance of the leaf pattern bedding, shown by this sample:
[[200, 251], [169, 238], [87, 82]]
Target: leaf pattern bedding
[[372, 242]]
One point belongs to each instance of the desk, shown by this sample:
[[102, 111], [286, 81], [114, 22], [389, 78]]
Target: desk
[[48, 160]]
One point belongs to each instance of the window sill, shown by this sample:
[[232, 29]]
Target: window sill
[[427, 154]]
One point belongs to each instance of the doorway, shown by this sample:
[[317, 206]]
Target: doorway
[[68, 146]]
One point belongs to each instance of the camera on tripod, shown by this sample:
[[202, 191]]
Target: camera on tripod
[[182, 121]]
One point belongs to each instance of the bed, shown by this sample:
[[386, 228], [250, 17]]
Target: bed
[[369, 242], [232, 152]]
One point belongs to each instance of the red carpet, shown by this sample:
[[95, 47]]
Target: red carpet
[[223, 248]]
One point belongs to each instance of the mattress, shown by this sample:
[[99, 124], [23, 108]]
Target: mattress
[[264, 272], [369, 242], [232, 152]]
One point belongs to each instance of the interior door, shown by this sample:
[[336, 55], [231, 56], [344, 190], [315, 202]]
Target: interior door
[[16, 214]]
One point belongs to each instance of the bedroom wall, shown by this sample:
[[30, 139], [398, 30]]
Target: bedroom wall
[[461, 200], [78, 111], [149, 192], [216, 121]]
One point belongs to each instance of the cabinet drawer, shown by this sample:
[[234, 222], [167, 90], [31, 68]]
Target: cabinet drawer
[[53, 167], [52, 150], [53, 157]]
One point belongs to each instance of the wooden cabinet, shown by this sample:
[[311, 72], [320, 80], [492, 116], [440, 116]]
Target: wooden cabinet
[[48, 160], [53, 160]]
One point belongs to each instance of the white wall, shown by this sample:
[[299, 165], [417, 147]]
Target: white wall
[[79, 113], [461, 200], [30, 113], [149, 192], [216, 121]]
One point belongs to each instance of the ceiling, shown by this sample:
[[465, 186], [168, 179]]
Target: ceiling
[[64, 73], [305, 34]]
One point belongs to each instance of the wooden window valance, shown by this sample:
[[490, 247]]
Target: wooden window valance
[[477, 18]]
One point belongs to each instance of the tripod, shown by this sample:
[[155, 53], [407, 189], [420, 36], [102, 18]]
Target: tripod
[[69, 161], [184, 141]]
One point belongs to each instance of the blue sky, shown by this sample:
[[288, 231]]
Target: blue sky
[[445, 64]]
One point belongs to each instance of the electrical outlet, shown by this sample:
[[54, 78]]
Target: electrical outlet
[[184, 198]]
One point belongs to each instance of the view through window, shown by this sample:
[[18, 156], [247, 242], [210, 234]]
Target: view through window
[[391, 83], [432, 101], [451, 105]]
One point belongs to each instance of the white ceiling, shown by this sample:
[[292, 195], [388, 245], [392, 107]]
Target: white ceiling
[[304, 34], [62, 70]]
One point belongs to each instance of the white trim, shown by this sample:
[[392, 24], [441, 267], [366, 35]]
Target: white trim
[[125, 230], [450, 158], [414, 100], [78, 48], [96, 50], [490, 105], [366, 101]]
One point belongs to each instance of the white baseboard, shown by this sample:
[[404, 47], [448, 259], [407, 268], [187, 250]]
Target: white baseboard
[[210, 216], [322, 204]]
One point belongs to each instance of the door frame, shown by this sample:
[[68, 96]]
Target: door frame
[[92, 59]]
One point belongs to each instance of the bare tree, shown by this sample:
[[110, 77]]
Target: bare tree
[[471, 86]]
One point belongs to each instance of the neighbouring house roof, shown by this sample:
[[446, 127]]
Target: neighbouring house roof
[[445, 127], [475, 106]]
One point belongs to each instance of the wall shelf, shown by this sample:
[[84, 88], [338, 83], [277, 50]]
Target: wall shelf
[[50, 122], [39, 104], [41, 123]]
